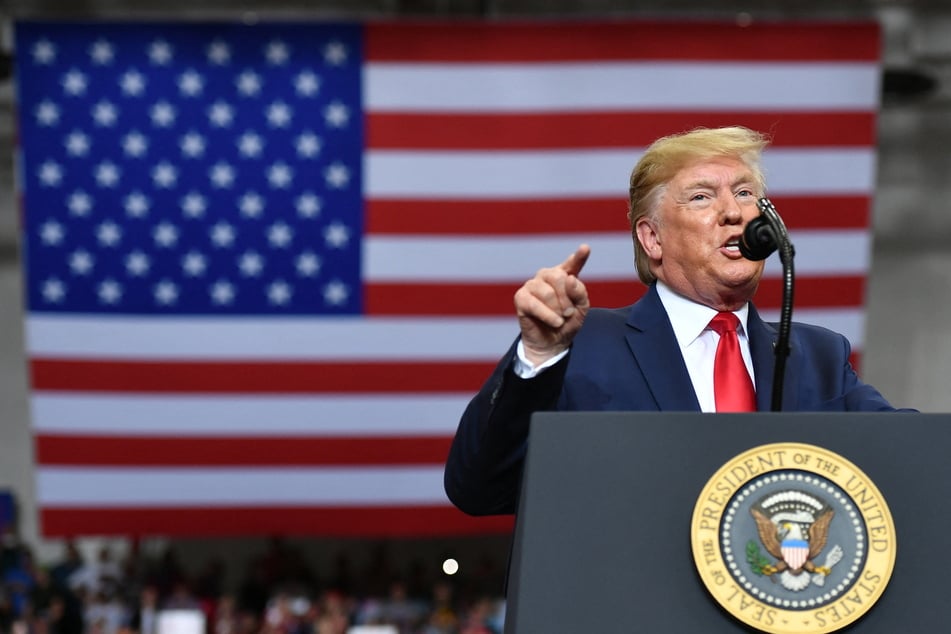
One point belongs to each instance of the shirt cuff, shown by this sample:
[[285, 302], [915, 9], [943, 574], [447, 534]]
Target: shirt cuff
[[524, 368]]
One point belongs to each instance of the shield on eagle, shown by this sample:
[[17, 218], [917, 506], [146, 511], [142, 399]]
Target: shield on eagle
[[795, 552]]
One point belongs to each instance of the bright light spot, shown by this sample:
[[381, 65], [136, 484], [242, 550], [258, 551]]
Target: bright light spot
[[450, 566]]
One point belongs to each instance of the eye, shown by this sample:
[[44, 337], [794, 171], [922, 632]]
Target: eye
[[698, 197], [744, 193]]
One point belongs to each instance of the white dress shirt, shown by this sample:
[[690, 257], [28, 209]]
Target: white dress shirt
[[698, 344]]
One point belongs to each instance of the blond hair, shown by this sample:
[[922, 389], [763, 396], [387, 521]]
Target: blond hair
[[668, 155]]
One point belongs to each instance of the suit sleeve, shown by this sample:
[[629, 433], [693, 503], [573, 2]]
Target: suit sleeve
[[484, 469]]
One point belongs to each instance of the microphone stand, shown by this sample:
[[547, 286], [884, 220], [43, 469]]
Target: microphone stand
[[786, 253]]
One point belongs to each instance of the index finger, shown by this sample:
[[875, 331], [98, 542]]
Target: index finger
[[576, 261]]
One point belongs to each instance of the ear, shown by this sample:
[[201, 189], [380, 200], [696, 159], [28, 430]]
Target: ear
[[649, 238]]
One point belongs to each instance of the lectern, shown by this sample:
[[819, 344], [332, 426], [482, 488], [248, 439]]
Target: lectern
[[603, 539]]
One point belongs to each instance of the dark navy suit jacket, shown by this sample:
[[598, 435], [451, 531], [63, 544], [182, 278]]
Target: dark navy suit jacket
[[628, 359]]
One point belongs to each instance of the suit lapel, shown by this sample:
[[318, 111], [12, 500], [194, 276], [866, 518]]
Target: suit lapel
[[762, 342], [655, 348]]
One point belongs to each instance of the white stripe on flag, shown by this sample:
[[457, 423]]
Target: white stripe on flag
[[607, 85], [146, 338], [239, 416], [285, 339], [201, 487], [515, 259], [849, 322], [419, 175]]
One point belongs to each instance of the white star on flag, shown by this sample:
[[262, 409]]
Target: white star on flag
[[108, 234], [79, 203], [51, 173], [335, 53], [337, 114], [193, 205], [250, 144], [337, 235], [279, 292], [162, 114], [137, 263], [107, 174], [219, 53], [277, 53], [102, 53], [222, 234], [248, 83], [135, 144], [54, 290], [337, 175], [222, 292], [52, 232], [81, 262], [44, 52], [74, 83], [336, 293], [251, 264], [192, 144], [160, 53], [165, 234], [77, 143], [105, 114], [47, 113], [307, 84], [110, 291], [132, 83], [307, 264], [190, 83], [166, 293]]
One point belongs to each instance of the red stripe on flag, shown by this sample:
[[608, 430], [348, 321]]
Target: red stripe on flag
[[497, 217], [251, 451], [605, 129], [813, 292], [823, 212], [605, 41], [392, 299], [406, 521], [577, 215], [289, 377]]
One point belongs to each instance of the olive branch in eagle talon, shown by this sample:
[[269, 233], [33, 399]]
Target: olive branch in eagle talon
[[758, 563]]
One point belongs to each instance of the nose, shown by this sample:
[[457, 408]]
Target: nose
[[731, 212]]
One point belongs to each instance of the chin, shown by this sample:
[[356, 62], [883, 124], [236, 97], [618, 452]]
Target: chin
[[743, 288], [744, 275]]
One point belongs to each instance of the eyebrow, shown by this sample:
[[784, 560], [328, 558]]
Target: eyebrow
[[745, 179]]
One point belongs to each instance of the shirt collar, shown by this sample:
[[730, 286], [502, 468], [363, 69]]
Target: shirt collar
[[688, 318]]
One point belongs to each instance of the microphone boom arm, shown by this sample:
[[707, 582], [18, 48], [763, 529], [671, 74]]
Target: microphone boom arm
[[780, 239]]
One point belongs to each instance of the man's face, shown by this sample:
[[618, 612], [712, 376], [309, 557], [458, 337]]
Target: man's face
[[693, 240]]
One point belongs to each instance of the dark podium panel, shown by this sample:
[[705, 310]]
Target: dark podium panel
[[602, 539]]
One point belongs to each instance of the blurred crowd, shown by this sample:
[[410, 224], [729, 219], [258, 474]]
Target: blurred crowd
[[277, 593]]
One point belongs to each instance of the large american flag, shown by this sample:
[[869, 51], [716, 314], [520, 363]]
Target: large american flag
[[268, 265]]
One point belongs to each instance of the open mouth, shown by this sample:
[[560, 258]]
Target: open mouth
[[733, 244]]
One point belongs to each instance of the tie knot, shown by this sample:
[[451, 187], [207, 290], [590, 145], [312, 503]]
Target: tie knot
[[724, 322]]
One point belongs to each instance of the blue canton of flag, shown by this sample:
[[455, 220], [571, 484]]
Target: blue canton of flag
[[205, 169]]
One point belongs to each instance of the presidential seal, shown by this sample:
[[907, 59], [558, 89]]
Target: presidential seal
[[793, 538]]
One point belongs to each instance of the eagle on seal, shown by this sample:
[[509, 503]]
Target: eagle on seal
[[784, 540]]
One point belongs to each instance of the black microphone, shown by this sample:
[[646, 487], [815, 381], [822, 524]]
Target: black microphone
[[758, 241]]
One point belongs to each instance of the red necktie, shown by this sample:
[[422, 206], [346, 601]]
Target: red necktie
[[732, 387]]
